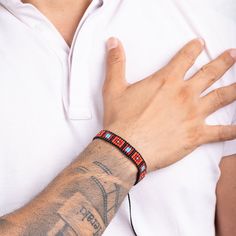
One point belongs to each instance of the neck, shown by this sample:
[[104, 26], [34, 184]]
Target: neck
[[65, 15]]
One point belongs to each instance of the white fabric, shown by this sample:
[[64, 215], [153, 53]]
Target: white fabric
[[51, 103]]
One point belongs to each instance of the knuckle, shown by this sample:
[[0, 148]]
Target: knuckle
[[115, 57], [188, 55], [223, 133], [185, 93], [209, 71], [227, 59], [193, 139], [226, 133], [220, 97], [170, 73]]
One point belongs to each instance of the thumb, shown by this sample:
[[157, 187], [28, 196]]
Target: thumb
[[115, 71]]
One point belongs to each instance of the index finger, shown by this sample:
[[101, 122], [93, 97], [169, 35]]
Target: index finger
[[185, 58]]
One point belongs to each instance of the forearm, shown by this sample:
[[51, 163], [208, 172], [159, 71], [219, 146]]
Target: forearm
[[81, 201], [226, 196]]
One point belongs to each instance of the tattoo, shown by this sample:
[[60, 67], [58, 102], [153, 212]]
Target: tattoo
[[86, 196], [92, 219], [117, 187], [103, 167], [81, 169]]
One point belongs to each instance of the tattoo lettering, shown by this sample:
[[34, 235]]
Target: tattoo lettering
[[79, 202], [79, 214], [88, 212], [90, 218]]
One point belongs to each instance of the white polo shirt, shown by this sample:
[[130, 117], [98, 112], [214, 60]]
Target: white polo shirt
[[51, 103]]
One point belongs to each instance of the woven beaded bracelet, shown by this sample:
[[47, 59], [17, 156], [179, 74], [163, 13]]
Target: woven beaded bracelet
[[128, 150]]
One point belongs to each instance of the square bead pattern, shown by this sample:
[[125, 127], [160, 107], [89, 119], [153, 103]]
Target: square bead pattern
[[128, 150]]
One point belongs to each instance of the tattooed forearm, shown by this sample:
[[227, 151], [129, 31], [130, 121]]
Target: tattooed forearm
[[82, 200]]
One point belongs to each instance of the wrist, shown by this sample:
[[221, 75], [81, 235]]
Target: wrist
[[123, 168], [127, 149]]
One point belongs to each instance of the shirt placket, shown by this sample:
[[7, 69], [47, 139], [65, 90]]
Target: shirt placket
[[79, 100]]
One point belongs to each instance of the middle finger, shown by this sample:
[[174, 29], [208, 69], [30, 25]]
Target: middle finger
[[213, 71]]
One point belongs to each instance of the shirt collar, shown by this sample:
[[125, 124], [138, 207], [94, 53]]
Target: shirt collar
[[23, 11]]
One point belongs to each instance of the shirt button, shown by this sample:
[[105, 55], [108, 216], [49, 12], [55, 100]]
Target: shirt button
[[100, 3]]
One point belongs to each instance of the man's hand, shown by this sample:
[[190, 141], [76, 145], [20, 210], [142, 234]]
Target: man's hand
[[163, 116]]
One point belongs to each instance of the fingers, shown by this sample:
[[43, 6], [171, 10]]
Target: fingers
[[218, 99], [186, 57], [115, 71], [213, 71], [219, 133]]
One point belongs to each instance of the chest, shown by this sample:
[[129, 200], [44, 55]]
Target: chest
[[51, 102]]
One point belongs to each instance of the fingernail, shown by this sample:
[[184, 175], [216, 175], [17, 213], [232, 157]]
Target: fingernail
[[232, 53], [112, 43], [202, 41]]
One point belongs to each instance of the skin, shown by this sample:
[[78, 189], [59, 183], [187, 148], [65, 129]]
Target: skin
[[84, 198], [80, 201], [226, 195], [75, 203], [65, 15]]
